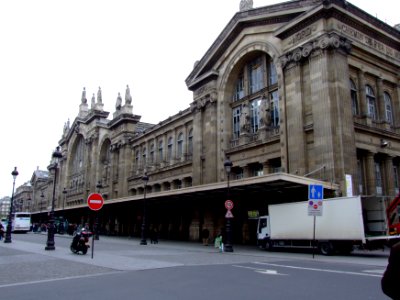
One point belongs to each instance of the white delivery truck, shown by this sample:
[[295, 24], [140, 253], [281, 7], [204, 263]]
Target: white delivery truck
[[338, 229]]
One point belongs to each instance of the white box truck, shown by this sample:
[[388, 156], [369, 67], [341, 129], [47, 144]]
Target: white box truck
[[338, 229]]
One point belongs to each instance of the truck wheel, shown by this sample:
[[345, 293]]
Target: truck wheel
[[326, 248], [268, 245]]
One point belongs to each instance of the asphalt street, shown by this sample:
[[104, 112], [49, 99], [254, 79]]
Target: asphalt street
[[121, 267]]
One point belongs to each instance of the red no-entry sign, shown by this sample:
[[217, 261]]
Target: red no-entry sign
[[95, 201]]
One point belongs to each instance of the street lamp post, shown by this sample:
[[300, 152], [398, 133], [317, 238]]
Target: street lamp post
[[99, 186], [228, 243], [50, 244], [9, 224], [143, 241]]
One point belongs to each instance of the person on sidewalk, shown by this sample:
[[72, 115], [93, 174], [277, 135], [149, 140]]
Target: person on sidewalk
[[1, 231], [391, 278]]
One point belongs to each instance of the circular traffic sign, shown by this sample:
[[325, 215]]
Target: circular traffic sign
[[228, 204], [95, 201]]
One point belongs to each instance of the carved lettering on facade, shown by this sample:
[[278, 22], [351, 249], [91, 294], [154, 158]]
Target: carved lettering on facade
[[303, 34], [369, 41]]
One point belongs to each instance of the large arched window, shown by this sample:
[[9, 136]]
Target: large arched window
[[353, 95], [388, 108], [256, 80], [78, 155], [371, 102]]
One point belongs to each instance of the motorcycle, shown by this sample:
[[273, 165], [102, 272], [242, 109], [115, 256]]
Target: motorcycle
[[80, 241]]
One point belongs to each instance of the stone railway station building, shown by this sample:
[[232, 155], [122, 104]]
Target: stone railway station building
[[297, 93]]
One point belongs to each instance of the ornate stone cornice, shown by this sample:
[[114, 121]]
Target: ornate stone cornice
[[200, 103], [330, 41]]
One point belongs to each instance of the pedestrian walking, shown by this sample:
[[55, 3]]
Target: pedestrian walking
[[218, 243], [154, 236], [391, 278], [1, 231]]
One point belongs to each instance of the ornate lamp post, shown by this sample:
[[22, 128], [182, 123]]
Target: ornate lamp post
[[228, 243], [143, 241], [9, 224], [99, 186], [50, 245]]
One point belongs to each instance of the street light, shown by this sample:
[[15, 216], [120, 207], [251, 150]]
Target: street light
[[228, 243], [99, 186], [145, 179], [9, 224], [50, 232]]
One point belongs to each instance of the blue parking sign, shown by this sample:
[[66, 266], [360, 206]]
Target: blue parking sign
[[315, 192]]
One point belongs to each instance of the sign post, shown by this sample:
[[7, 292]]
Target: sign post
[[95, 202], [315, 197]]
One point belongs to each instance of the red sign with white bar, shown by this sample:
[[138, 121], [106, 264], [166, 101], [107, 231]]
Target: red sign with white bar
[[95, 201]]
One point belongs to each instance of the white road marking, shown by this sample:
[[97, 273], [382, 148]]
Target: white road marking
[[261, 271], [319, 270]]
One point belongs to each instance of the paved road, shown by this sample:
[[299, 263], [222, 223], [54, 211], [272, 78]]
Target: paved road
[[27, 271]]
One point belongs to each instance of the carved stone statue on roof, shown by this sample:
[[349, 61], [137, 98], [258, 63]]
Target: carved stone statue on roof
[[246, 5], [99, 98], [119, 102], [93, 102], [128, 97], [83, 99]]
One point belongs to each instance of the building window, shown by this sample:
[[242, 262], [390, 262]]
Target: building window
[[258, 78], [179, 149], [237, 111], [255, 115], [396, 179], [255, 71], [388, 108], [371, 102], [378, 178], [360, 177], [160, 151], [144, 156], [190, 142], [272, 75], [151, 158], [137, 161], [274, 100], [353, 95], [239, 88], [169, 149]]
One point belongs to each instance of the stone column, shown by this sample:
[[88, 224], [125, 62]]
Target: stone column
[[370, 174], [389, 176], [266, 168]]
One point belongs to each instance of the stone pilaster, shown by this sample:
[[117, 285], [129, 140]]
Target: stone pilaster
[[297, 158]]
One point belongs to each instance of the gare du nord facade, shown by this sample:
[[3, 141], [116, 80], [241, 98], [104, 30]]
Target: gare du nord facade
[[293, 94]]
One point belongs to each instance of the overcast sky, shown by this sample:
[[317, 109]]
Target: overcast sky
[[51, 49]]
